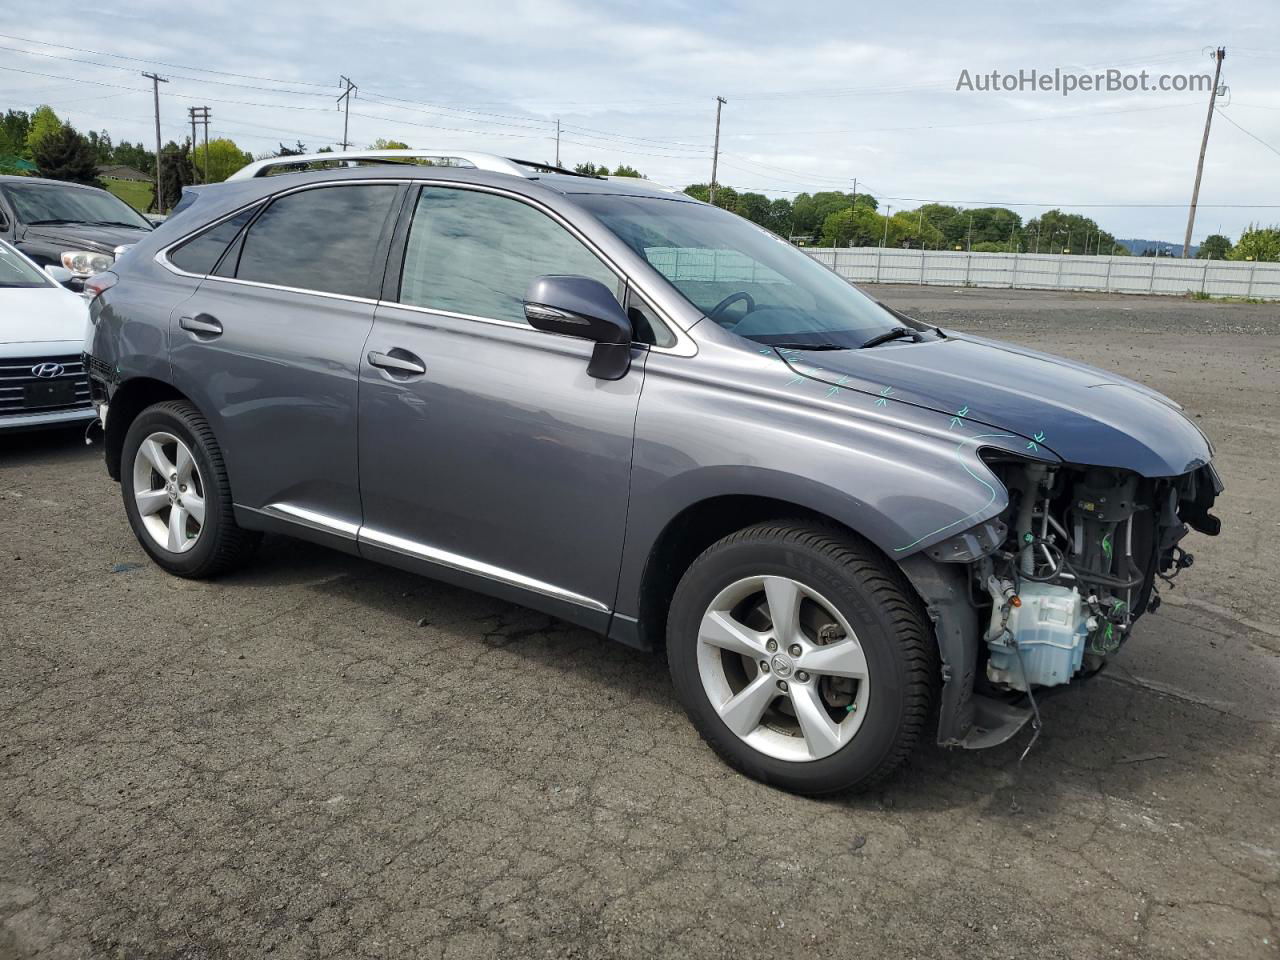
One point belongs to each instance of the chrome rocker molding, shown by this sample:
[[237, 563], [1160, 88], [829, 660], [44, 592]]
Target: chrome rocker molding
[[421, 551]]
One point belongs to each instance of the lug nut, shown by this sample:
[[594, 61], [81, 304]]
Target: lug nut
[[802, 676], [782, 685], [795, 650], [771, 646], [764, 666]]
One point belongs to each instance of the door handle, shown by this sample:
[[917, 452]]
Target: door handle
[[201, 323], [398, 361]]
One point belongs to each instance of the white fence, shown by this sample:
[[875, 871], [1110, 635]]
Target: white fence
[[1043, 271]]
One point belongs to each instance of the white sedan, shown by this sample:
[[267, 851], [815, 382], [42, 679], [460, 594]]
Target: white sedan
[[43, 382]]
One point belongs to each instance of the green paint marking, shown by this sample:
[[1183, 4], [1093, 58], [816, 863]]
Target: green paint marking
[[990, 489], [838, 384], [883, 399], [1033, 443], [1106, 545]]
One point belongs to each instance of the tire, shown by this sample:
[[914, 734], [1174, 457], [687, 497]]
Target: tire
[[844, 591], [194, 544]]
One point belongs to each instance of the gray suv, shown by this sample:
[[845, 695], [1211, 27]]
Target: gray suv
[[634, 411]]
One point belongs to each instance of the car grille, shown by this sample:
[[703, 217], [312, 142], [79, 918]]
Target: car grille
[[16, 375]]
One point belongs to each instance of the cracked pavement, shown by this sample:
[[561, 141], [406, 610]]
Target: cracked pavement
[[319, 757]]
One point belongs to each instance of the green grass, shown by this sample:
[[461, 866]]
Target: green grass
[[133, 192], [1201, 295]]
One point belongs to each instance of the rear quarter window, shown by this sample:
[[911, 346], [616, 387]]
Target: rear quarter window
[[201, 253]]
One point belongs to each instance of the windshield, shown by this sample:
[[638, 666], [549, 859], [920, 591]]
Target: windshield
[[741, 276], [15, 271], [54, 203]]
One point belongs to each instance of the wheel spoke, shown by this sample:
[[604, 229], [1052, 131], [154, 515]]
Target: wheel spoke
[[844, 658], [783, 596], [721, 630], [742, 712], [177, 529], [194, 505], [150, 501], [821, 734], [184, 464], [150, 449]]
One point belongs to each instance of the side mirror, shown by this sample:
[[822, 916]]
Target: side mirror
[[58, 274], [584, 308]]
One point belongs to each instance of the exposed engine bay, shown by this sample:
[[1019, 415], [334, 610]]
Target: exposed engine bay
[[1076, 561]]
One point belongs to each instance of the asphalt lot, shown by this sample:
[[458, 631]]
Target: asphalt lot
[[323, 758]]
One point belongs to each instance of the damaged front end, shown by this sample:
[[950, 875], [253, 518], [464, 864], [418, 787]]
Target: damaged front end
[[1047, 591]]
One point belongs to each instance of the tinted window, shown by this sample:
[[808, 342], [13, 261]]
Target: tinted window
[[475, 253], [199, 254], [324, 239]]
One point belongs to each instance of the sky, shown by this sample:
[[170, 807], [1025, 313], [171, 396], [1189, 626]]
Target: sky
[[818, 93]]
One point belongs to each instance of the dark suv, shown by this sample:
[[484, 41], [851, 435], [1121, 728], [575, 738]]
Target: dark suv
[[70, 225], [652, 418]]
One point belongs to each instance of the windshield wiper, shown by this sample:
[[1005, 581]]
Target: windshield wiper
[[113, 223], [897, 333], [808, 346], [40, 223]]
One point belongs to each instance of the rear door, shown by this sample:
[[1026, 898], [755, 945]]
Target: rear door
[[486, 450], [269, 346]]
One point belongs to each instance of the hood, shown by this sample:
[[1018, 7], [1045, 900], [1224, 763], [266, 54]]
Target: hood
[[84, 236], [1080, 413], [33, 320]]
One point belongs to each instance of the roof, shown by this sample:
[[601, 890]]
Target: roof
[[6, 178], [452, 164], [118, 171]]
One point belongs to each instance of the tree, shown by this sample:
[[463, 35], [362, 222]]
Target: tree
[[1058, 232], [44, 123], [103, 148], [66, 155], [1214, 247], [14, 127], [591, 170], [223, 159], [383, 144], [853, 226], [1257, 243], [176, 172], [298, 150], [135, 156], [811, 211], [622, 170]]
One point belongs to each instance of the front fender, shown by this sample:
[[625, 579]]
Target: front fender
[[902, 476]]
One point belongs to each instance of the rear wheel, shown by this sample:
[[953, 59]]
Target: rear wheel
[[176, 493], [802, 657]]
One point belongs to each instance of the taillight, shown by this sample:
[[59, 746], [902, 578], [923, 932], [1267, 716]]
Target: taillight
[[99, 284]]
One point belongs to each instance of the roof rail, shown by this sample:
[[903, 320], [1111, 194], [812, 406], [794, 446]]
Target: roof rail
[[353, 158], [647, 182]]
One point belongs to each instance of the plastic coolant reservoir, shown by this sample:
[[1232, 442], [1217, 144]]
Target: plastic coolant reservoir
[[1050, 631]]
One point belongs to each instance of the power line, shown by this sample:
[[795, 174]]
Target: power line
[[1247, 133]]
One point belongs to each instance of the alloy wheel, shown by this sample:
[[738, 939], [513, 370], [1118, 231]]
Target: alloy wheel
[[783, 668], [168, 492]]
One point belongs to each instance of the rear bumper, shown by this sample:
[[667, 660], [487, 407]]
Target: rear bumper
[[36, 421]]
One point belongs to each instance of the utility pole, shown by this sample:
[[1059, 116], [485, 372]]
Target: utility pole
[[344, 104], [155, 88], [200, 115], [1218, 56], [885, 242], [715, 156], [970, 233], [557, 141]]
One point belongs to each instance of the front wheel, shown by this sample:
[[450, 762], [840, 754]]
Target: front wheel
[[802, 657]]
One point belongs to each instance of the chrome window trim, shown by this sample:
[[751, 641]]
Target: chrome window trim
[[685, 345]]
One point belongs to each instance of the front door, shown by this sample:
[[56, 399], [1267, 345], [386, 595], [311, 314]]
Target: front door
[[269, 347], [487, 454]]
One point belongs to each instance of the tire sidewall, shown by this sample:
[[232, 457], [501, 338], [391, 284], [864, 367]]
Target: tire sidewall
[[875, 740], [192, 561]]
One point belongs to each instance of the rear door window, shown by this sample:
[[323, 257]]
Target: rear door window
[[327, 239]]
